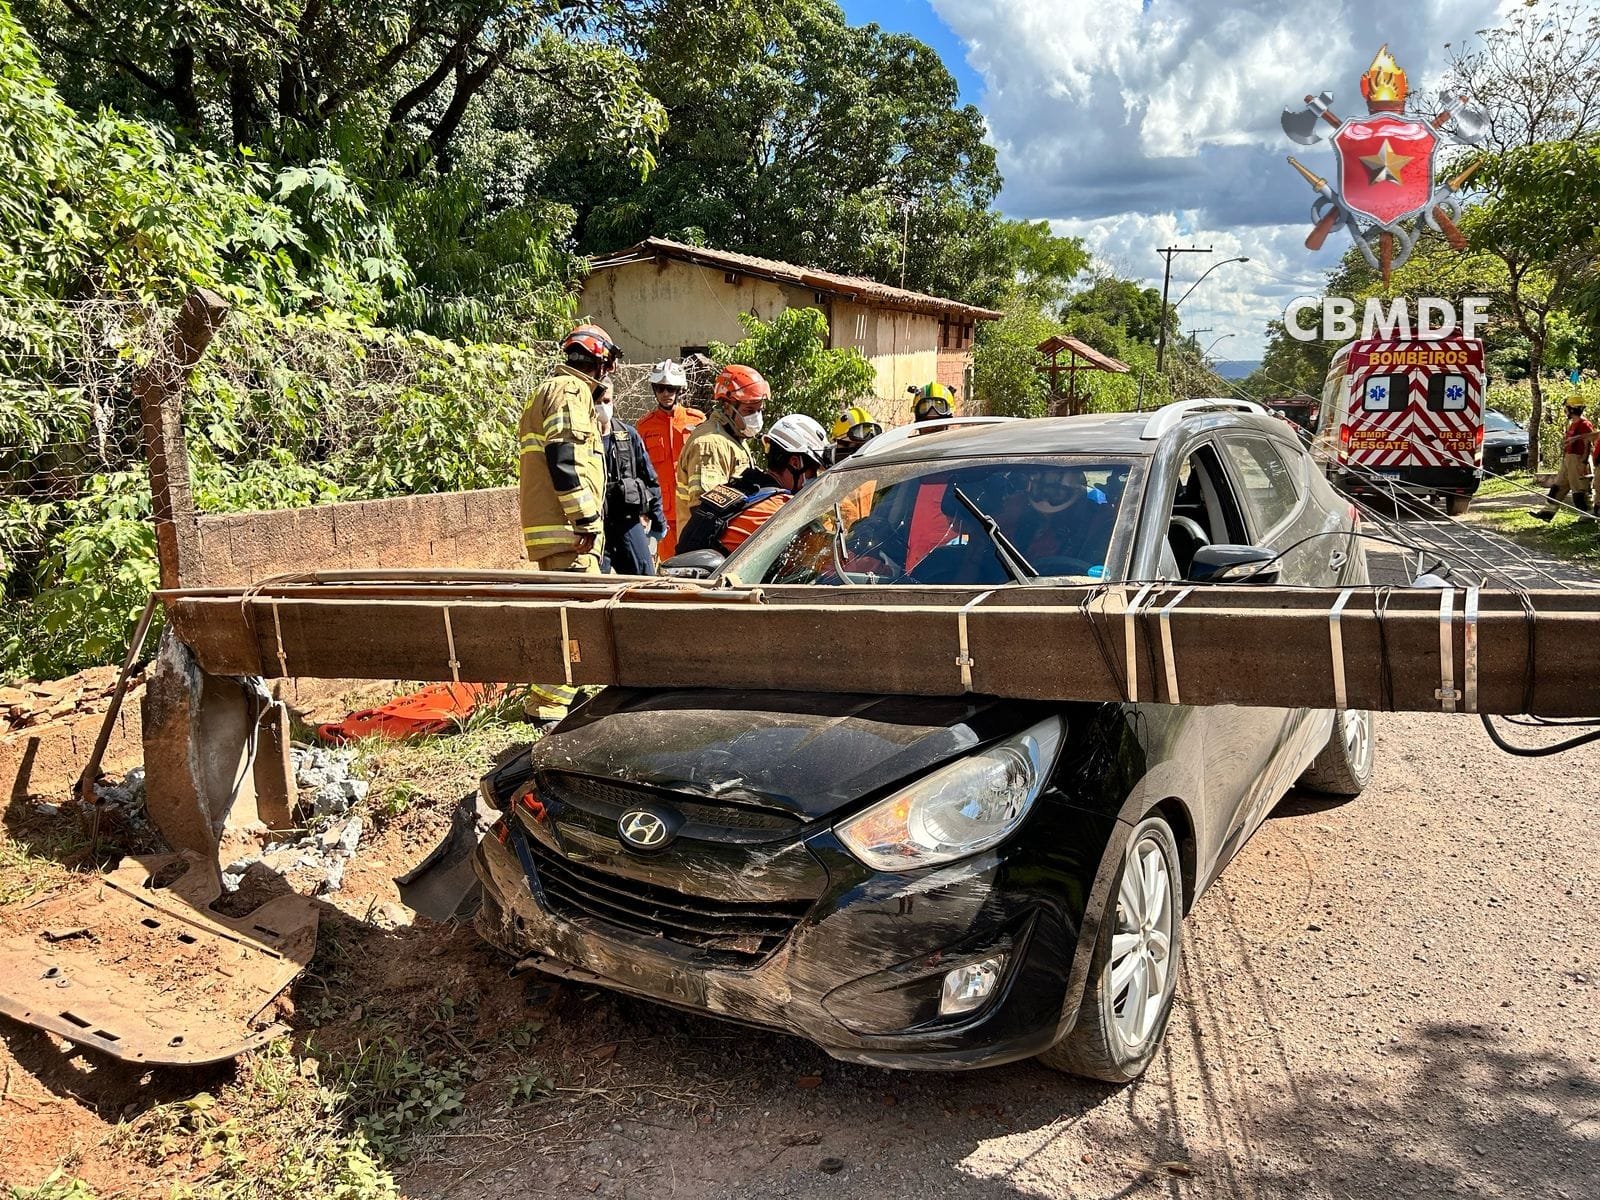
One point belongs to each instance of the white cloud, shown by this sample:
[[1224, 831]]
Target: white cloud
[[1143, 123]]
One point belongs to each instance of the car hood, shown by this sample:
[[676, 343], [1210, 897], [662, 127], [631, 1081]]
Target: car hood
[[805, 753]]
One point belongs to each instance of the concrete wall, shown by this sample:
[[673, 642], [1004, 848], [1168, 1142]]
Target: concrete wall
[[655, 309], [457, 529]]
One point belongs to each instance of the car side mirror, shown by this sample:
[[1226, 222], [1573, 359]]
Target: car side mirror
[[693, 564], [1234, 564]]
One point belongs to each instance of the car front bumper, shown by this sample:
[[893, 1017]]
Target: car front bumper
[[859, 975]]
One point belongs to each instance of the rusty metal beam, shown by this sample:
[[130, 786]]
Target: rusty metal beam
[[1455, 650]]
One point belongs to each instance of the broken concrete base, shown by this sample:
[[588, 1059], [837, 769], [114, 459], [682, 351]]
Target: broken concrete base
[[215, 757]]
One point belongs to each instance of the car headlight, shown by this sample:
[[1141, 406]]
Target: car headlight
[[960, 809]]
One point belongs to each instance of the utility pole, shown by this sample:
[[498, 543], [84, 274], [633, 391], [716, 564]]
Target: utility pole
[[1167, 252]]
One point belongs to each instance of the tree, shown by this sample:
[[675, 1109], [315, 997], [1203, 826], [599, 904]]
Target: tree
[[805, 139], [1536, 76], [1124, 305], [387, 86], [1542, 224], [805, 375]]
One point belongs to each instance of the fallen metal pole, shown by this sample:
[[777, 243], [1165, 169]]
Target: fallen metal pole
[[1449, 650]]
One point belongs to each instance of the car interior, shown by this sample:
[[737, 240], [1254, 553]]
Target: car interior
[[1204, 511]]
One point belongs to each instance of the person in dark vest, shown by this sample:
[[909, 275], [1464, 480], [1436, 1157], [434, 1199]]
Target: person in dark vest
[[729, 513], [633, 514]]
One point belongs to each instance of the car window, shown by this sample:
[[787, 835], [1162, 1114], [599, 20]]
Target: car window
[[1202, 511], [1270, 492], [908, 523]]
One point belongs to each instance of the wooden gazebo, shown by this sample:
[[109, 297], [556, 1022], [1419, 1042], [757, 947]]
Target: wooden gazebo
[[1080, 357]]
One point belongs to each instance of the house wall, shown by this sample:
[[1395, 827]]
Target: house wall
[[656, 309], [902, 347]]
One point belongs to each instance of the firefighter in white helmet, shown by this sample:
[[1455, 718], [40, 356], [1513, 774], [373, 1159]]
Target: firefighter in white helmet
[[665, 429]]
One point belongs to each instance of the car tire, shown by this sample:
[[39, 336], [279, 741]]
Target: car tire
[[1344, 768], [1457, 506], [1111, 1042]]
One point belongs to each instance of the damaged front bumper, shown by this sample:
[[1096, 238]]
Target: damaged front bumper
[[859, 972]]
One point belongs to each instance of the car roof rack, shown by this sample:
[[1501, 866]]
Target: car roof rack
[[1169, 415], [891, 438]]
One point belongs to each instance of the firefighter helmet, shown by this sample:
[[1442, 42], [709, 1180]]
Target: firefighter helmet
[[797, 433], [933, 403], [739, 384], [856, 425], [593, 341]]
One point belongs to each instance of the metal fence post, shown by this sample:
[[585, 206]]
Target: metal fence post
[[159, 389]]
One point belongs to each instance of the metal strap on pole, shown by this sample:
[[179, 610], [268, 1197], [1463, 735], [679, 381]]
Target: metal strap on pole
[[963, 652], [1447, 651], [1470, 681], [1130, 634], [1341, 697], [1168, 658], [568, 650], [450, 640]]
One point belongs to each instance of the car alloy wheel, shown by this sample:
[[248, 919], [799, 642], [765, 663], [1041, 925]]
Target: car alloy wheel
[[1356, 725], [1138, 986]]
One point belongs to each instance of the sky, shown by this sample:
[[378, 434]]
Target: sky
[[1136, 124]]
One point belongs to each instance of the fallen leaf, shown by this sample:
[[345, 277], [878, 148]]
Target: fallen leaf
[[808, 1081], [604, 1053]]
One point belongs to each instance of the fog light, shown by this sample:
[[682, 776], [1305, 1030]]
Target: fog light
[[966, 988]]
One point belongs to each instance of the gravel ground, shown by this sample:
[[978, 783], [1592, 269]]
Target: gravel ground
[[1392, 997]]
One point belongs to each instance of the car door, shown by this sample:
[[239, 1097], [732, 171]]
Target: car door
[[1236, 744], [1272, 480]]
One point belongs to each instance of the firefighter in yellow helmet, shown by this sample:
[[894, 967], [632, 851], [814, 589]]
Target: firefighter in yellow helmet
[[719, 448], [562, 475], [853, 430], [934, 402]]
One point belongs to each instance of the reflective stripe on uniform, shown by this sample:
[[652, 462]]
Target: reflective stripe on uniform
[[546, 538], [578, 504]]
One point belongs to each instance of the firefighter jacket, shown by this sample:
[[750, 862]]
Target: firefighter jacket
[[712, 456], [664, 433], [562, 465]]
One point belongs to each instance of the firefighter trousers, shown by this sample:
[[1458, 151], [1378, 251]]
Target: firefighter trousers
[[1575, 476], [550, 701]]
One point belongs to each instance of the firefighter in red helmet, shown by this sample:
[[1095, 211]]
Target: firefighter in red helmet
[[719, 448]]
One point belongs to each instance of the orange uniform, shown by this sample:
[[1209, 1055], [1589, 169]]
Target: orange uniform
[[664, 433]]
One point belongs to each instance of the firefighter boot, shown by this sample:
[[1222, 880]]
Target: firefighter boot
[[1548, 513], [1580, 501]]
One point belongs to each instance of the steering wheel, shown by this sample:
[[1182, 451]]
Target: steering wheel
[[1194, 532]]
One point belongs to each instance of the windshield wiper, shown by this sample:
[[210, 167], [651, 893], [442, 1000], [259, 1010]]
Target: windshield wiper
[[1018, 567], [840, 550]]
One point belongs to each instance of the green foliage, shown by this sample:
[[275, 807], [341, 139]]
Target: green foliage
[[802, 138], [1122, 304], [792, 352], [1007, 377], [58, 1185]]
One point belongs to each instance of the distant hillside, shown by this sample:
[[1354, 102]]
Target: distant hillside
[[1235, 368]]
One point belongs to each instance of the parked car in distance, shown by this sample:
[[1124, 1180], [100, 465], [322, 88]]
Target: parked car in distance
[[1505, 443], [929, 882]]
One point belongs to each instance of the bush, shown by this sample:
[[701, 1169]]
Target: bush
[[792, 352]]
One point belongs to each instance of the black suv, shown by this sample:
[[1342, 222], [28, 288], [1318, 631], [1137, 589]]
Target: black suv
[[937, 882]]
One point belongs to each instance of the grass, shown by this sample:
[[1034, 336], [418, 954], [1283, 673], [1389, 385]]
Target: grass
[[1570, 537], [31, 861]]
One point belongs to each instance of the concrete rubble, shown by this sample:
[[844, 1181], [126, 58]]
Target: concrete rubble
[[316, 861], [35, 702]]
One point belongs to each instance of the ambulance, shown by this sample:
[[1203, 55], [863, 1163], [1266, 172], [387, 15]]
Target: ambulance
[[1405, 416]]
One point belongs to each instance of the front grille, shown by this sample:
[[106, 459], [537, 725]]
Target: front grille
[[704, 820], [727, 932]]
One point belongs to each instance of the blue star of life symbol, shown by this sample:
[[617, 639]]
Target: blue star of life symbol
[[1380, 392], [1455, 392]]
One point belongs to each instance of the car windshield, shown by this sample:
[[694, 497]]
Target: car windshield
[[1053, 518], [1501, 423]]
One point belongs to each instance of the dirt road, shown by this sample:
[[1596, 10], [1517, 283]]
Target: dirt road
[[1394, 997]]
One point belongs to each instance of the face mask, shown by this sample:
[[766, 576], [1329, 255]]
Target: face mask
[[748, 424], [603, 411]]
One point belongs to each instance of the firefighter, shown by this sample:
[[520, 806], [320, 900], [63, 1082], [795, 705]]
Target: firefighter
[[634, 518], [719, 448], [562, 476], [853, 430], [728, 514], [665, 429], [1575, 473], [934, 402]]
